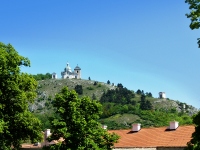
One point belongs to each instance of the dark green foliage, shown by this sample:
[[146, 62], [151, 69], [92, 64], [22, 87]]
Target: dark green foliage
[[147, 118], [108, 82], [95, 82], [194, 143], [77, 124], [139, 92], [94, 97], [145, 104], [16, 91], [79, 89], [119, 85], [148, 94], [40, 99], [110, 109], [120, 95], [44, 118], [42, 76], [89, 78], [194, 15]]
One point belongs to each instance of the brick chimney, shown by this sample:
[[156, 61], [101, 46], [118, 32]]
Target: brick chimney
[[173, 125], [136, 127]]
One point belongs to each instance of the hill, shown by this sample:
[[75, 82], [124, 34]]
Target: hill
[[48, 88], [117, 111]]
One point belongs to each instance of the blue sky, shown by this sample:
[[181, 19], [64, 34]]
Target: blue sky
[[145, 45]]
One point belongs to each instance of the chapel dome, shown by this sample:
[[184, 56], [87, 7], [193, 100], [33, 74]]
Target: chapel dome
[[68, 68]]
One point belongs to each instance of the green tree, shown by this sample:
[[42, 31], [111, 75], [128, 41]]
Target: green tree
[[95, 82], [119, 85], [194, 143], [108, 82], [148, 94], [42, 76], [79, 89], [194, 15], [139, 92], [94, 97], [145, 104], [77, 123], [16, 91], [89, 78]]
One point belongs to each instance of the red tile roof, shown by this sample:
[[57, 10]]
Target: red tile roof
[[154, 137]]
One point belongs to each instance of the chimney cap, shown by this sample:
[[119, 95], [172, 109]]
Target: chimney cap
[[173, 125], [136, 127]]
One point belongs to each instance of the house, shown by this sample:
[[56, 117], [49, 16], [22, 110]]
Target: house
[[173, 137]]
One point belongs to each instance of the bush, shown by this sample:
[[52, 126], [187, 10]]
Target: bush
[[79, 89], [90, 88], [95, 82]]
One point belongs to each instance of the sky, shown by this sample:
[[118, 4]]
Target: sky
[[144, 45]]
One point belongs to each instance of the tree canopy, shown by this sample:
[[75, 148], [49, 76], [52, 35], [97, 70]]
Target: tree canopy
[[145, 104], [108, 82], [194, 15], [194, 143], [41, 76], [16, 91], [79, 89], [119, 95], [77, 123]]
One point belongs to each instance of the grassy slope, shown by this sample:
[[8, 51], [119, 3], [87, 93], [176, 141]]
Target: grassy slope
[[51, 87], [48, 88]]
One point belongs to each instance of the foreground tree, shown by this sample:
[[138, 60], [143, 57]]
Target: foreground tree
[[77, 124], [194, 15], [194, 143], [16, 91]]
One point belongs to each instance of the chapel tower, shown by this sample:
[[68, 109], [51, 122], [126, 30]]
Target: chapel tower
[[77, 70]]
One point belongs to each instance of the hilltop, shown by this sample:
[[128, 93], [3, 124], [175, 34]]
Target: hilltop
[[48, 88]]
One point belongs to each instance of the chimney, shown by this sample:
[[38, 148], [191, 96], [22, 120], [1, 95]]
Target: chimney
[[47, 133], [104, 126], [136, 127], [173, 125]]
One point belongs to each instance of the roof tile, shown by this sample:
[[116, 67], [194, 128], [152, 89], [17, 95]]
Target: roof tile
[[155, 137]]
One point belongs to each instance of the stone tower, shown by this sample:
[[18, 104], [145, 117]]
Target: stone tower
[[77, 70], [162, 95], [54, 75]]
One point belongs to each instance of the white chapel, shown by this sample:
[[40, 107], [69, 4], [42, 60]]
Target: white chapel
[[68, 73]]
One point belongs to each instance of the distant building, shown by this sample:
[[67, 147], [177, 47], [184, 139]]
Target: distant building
[[162, 95], [54, 76], [68, 73]]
